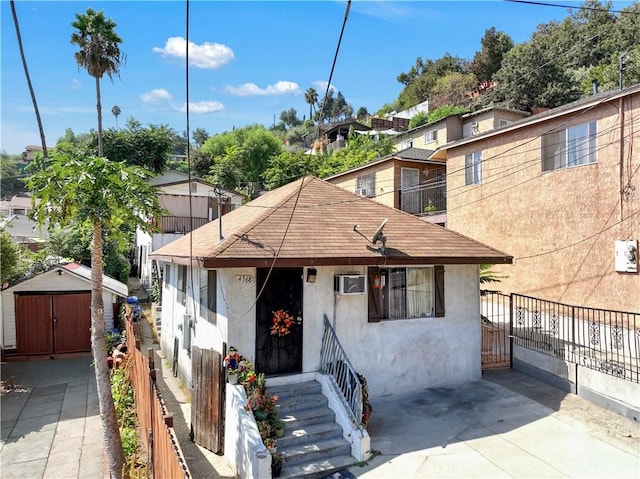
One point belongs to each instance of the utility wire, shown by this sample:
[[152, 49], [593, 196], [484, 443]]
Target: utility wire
[[302, 180], [579, 7]]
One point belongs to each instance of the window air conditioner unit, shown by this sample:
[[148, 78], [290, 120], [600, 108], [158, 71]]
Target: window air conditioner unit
[[346, 284], [363, 192]]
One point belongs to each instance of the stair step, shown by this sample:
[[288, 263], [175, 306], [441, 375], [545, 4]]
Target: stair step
[[315, 452], [307, 417], [316, 469], [296, 403], [307, 434], [297, 389]]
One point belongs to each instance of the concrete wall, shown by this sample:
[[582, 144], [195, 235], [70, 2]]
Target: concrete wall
[[47, 282], [561, 225], [607, 391]]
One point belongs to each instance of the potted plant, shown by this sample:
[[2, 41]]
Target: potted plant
[[279, 428], [430, 208], [232, 363], [271, 444], [276, 464], [264, 427]]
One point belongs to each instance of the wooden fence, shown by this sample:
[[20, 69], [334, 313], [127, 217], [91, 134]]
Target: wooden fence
[[156, 423]]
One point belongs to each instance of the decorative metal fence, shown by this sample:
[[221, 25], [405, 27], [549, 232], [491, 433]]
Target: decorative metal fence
[[427, 198], [600, 339], [156, 423], [495, 315], [334, 361]]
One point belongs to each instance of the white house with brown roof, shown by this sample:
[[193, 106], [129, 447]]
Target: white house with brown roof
[[400, 294]]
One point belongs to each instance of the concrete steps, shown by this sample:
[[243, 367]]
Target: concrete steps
[[312, 445]]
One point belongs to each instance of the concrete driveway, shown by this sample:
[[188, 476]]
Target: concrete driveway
[[507, 425], [51, 425]]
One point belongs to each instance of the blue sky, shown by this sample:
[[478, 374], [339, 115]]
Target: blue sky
[[249, 60]]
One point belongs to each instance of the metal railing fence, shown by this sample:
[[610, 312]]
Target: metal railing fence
[[334, 362]]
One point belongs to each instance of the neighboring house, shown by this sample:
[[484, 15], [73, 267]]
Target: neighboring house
[[334, 136], [50, 313], [405, 307], [25, 231], [187, 208], [454, 127], [406, 180], [559, 190], [17, 205], [29, 153]]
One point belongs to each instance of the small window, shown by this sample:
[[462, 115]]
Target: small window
[[431, 136], [504, 122], [366, 185], [406, 144], [473, 168], [405, 293], [208, 287], [569, 147], [182, 285]]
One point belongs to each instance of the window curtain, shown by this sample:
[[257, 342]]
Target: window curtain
[[419, 292]]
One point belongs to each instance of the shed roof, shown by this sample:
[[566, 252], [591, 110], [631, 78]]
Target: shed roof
[[84, 272], [319, 219]]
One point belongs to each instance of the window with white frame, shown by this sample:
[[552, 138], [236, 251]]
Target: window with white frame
[[504, 122], [473, 168], [405, 292], [182, 285], [573, 146], [208, 287], [366, 185], [406, 144], [430, 136]]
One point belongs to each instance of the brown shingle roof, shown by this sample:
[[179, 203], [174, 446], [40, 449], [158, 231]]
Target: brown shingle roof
[[321, 232]]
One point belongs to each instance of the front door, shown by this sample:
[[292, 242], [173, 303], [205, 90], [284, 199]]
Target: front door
[[280, 352]]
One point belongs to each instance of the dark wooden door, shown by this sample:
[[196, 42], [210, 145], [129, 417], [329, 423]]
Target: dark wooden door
[[34, 324], [206, 398], [282, 292], [71, 323]]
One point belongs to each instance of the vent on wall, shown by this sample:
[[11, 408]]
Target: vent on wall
[[626, 256]]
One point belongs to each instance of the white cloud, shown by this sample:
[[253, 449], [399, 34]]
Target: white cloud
[[75, 84], [207, 55], [202, 107], [321, 87], [155, 96], [251, 89]]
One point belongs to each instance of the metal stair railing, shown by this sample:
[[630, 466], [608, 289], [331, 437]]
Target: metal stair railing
[[334, 362]]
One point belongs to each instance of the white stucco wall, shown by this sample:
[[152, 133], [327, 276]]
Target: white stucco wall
[[46, 282], [394, 356]]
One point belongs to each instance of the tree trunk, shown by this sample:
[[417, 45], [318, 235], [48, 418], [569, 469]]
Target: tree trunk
[[110, 430], [26, 72], [99, 107]]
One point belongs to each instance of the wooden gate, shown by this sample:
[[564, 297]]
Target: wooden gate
[[207, 405], [53, 323]]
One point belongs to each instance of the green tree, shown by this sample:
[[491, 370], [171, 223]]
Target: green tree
[[99, 52], [26, 72], [9, 257], [10, 183], [115, 111], [290, 118], [199, 136], [362, 113], [239, 158], [453, 88], [288, 166], [488, 60], [105, 196], [311, 98], [418, 119], [360, 150], [445, 111]]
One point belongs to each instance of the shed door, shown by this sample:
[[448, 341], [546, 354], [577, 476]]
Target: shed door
[[34, 331], [72, 322]]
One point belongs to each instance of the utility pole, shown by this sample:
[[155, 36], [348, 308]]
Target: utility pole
[[217, 190], [621, 66]]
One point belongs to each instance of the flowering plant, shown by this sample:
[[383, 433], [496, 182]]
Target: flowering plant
[[233, 359], [282, 322]]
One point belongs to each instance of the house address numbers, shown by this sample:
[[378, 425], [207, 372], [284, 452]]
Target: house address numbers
[[244, 278]]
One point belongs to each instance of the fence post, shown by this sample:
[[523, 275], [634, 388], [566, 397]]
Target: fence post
[[511, 331]]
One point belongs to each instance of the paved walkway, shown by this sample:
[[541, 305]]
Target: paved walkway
[[507, 425], [51, 425]]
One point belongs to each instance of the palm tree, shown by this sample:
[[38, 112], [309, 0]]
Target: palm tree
[[116, 112], [311, 97], [26, 72], [99, 52]]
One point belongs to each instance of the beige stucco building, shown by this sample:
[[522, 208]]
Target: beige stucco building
[[560, 191]]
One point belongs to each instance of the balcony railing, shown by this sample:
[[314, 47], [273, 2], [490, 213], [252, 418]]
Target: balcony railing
[[428, 198], [180, 224]]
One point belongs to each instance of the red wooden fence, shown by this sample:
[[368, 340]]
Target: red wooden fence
[[156, 423]]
